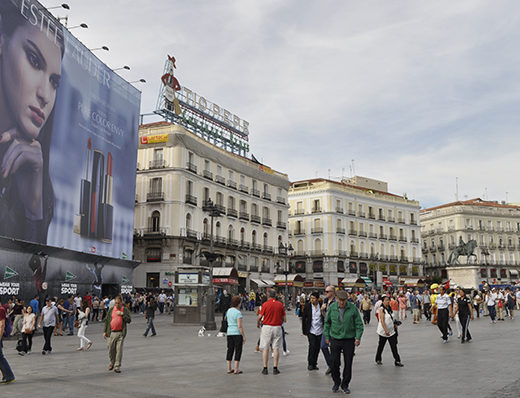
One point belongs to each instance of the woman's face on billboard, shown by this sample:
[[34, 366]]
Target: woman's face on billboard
[[30, 75]]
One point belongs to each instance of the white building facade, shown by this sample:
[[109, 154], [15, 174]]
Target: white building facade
[[353, 228], [178, 172]]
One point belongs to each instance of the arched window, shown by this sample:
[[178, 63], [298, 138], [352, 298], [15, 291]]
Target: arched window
[[340, 244], [156, 221], [205, 227], [217, 233], [242, 235], [253, 237], [266, 239], [299, 246], [231, 233], [317, 245]]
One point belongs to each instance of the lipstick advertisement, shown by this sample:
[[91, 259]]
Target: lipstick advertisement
[[68, 155]]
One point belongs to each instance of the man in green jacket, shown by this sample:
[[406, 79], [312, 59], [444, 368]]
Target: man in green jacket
[[343, 330], [115, 329]]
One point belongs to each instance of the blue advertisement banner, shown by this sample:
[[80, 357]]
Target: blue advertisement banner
[[68, 138]]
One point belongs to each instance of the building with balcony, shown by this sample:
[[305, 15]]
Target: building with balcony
[[353, 228], [494, 226], [178, 173]]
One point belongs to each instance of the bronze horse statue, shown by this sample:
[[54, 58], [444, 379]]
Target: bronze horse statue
[[463, 249]]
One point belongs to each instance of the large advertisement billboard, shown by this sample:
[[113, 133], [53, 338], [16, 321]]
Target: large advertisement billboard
[[68, 138]]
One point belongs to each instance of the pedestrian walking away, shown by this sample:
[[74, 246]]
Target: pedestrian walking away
[[49, 319], [236, 337], [83, 316], [271, 317], [312, 327], [151, 307], [387, 331], [7, 373], [115, 330], [343, 330]]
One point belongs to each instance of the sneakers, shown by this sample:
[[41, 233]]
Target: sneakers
[[312, 367], [7, 381], [398, 364], [450, 333], [379, 363], [328, 372], [335, 388], [345, 389], [444, 341], [276, 371], [154, 334], [265, 371], [285, 353]]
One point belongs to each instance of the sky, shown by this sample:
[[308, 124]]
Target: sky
[[419, 94]]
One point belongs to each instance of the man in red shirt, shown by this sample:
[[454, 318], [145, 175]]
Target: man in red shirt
[[7, 373], [115, 329], [271, 317]]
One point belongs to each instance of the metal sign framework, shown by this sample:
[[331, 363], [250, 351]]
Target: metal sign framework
[[201, 123]]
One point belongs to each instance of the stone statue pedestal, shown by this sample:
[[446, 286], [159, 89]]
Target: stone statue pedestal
[[466, 276]]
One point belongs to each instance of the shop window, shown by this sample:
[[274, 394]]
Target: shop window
[[341, 266], [153, 254]]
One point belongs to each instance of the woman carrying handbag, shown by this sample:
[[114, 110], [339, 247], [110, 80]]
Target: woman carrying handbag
[[387, 331]]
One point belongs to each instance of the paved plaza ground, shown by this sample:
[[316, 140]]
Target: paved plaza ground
[[178, 363]]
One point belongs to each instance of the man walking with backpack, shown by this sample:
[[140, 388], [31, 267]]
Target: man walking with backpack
[[7, 373]]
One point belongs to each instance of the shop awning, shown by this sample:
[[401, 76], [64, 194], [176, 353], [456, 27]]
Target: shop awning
[[259, 282], [225, 276], [513, 272], [411, 281], [387, 282], [367, 280], [268, 282], [292, 280], [353, 281]]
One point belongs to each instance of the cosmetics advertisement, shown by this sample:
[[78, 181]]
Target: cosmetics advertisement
[[68, 138]]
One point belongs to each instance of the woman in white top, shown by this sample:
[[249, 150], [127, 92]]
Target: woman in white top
[[387, 331], [83, 323], [29, 321]]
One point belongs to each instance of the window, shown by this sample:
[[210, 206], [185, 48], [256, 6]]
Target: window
[[188, 221], [254, 209], [191, 158], [156, 185], [187, 257], [219, 199], [153, 254], [242, 235], [231, 203], [231, 175], [231, 233], [242, 180], [266, 188], [189, 187], [155, 221], [207, 165], [219, 170]]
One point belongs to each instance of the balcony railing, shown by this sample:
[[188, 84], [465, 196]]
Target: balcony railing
[[242, 267], [154, 196], [316, 253], [232, 242], [363, 256], [253, 268], [381, 217], [413, 222], [298, 232], [299, 212], [441, 248], [232, 213], [254, 192], [191, 167], [157, 164], [362, 234], [401, 221], [511, 247], [372, 235], [219, 240], [403, 239], [267, 221], [392, 237], [266, 196], [232, 184], [414, 240], [280, 200], [353, 254], [243, 215], [256, 246], [391, 219], [371, 216], [383, 236], [351, 213], [255, 218], [316, 210], [244, 244], [244, 188], [207, 174], [268, 249], [317, 230], [190, 233], [153, 231], [352, 232], [339, 210], [361, 214], [190, 199], [281, 225], [299, 253], [220, 208], [342, 253], [220, 180], [340, 231], [403, 259]]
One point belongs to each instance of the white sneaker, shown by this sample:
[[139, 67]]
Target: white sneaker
[[285, 353]]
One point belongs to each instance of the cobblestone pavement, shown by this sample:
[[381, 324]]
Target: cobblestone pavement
[[178, 363]]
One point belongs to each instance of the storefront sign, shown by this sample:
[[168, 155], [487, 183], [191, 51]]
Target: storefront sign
[[68, 288], [224, 281], [188, 278], [126, 289], [154, 139]]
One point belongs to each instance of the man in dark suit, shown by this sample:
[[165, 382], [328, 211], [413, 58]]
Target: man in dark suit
[[312, 327]]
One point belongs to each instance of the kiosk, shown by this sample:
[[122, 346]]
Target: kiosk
[[191, 286]]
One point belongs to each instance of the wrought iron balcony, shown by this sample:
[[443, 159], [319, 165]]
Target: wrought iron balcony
[[317, 230], [243, 215], [280, 200], [232, 213], [154, 196], [299, 212], [254, 192], [352, 232], [190, 199], [207, 174], [340, 231], [339, 210], [157, 164], [221, 180], [266, 196], [243, 188], [191, 167], [351, 213], [281, 225], [316, 210], [299, 232], [232, 184], [267, 221], [255, 218]]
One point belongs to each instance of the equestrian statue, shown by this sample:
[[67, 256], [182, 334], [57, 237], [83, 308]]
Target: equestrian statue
[[463, 249]]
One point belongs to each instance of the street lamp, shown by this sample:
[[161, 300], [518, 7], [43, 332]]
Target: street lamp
[[138, 81], [210, 323], [123, 67], [82, 25], [64, 5], [284, 251], [99, 48]]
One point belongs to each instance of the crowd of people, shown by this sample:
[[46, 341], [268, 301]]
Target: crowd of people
[[61, 316]]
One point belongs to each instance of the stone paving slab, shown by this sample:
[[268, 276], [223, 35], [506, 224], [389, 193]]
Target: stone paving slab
[[178, 363]]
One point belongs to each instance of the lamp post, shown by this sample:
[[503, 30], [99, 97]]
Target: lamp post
[[210, 323], [138, 81], [284, 251], [126, 67], [105, 48], [82, 25], [64, 5]]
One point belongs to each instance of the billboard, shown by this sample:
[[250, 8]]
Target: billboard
[[68, 138]]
